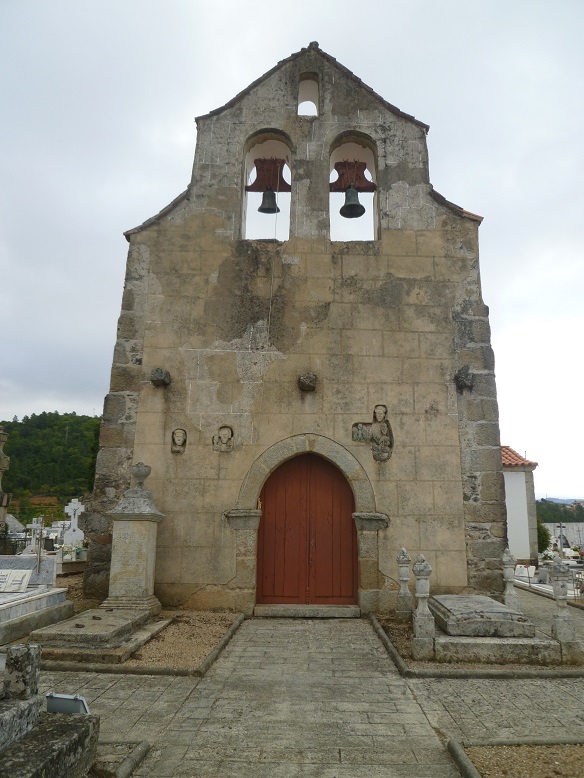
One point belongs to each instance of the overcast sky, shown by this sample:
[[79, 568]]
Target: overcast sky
[[98, 99]]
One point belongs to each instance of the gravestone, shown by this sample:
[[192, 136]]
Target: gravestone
[[479, 616], [36, 528], [43, 576], [36, 605], [74, 536]]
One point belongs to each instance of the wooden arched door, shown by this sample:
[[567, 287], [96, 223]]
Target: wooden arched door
[[307, 541]]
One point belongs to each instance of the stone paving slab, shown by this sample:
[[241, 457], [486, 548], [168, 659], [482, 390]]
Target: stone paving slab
[[286, 697], [300, 698], [493, 709]]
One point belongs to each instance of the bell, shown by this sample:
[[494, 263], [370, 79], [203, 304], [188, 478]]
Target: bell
[[269, 204], [352, 208]]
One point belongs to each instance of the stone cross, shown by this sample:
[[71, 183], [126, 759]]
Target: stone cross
[[74, 535], [423, 622], [405, 600], [36, 534], [563, 628], [73, 510]]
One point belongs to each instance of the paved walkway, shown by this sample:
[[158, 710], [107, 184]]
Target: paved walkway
[[320, 698], [286, 698]]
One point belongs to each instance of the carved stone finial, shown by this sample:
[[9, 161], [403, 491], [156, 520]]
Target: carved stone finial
[[307, 382], [136, 503], [405, 600], [422, 568], [140, 471], [508, 558], [403, 558]]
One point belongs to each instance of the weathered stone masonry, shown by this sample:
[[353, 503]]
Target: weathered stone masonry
[[397, 321]]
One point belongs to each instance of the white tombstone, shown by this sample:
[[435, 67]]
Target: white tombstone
[[36, 529], [74, 536]]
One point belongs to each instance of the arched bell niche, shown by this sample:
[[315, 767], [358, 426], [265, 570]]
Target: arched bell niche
[[308, 94], [353, 164], [267, 187]]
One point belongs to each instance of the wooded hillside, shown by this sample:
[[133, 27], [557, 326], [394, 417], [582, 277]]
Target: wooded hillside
[[551, 512], [50, 454]]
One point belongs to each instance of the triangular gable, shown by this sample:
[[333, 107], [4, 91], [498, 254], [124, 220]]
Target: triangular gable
[[314, 47]]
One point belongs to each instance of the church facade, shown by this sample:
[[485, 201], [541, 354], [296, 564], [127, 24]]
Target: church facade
[[309, 402]]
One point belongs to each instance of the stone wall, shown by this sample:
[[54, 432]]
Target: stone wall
[[397, 322]]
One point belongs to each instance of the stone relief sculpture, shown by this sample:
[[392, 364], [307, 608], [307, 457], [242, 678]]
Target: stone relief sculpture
[[381, 435], [223, 440], [378, 433], [179, 441]]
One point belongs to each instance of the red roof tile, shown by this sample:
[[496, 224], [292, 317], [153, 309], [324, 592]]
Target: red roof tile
[[512, 459]]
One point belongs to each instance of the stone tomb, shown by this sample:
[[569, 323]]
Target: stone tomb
[[479, 629], [35, 743], [41, 603], [479, 616], [102, 635]]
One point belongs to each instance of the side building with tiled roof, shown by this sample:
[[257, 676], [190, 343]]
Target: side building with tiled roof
[[520, 500]]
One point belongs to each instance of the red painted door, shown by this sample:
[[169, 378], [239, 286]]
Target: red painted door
[[307, 542]]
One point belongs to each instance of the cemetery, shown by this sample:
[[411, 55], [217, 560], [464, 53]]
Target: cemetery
[[331, 468]]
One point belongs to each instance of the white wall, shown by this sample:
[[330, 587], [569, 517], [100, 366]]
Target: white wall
[[517, 517]]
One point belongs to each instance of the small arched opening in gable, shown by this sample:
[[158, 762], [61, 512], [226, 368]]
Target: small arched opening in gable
[[353, 209], [308, 94], [267, 185]]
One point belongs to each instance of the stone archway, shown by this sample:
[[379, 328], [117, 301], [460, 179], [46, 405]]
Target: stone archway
[[245, 516]]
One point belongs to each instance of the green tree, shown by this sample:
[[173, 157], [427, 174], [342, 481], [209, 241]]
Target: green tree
[[543, 536], [50, 454]]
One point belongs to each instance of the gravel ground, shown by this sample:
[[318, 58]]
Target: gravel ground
[[528, 761], [185, 643], [74, 585]]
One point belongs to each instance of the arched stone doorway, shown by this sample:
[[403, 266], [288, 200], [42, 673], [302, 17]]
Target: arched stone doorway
[[245, 516], [307, 540]]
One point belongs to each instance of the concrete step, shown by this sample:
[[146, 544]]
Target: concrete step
[[307, 611]]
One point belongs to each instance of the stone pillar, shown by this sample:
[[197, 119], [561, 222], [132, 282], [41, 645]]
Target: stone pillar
[[510, 597], [135, 520], [563, 629], [246, 522], [423, 622], [371, 580], [405, 600], [21, 674]]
